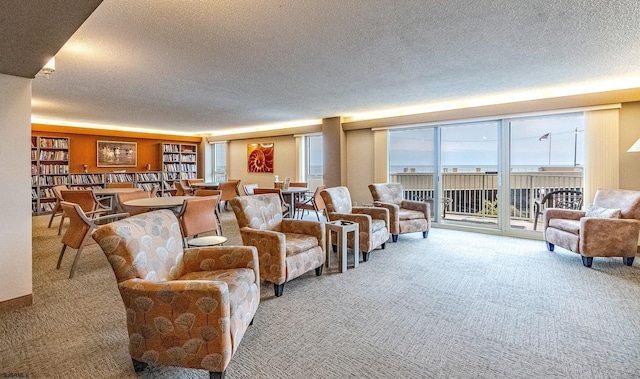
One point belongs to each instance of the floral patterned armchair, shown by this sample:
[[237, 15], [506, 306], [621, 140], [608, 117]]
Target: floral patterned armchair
[[373, 222], [405, 216], [287, 248], [608, 228], [185, 308]]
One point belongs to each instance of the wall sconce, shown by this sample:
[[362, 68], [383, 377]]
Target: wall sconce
[[635, 147], [84, 168], [49, 67], [148, 166]]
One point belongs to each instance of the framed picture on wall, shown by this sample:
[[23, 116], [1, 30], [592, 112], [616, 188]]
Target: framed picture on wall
[[260, 157], [117, 154]]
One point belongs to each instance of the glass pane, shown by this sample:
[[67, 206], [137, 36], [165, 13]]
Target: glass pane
[[411, 162], [469, 154], [315, 162], [547, 155], [220, 162]]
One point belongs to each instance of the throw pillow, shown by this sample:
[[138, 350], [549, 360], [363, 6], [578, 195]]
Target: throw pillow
[[596, 211]]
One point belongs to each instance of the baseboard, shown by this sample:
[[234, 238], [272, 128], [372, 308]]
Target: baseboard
[[18, 302]]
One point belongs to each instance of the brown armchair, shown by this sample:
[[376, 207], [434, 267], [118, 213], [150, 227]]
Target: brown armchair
[[609, 228], [185, 307], [405, 216], [287, 248], [373, 222]]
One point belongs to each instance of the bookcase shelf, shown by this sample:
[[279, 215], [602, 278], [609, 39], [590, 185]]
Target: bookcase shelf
[[179, 161], [49, 167]]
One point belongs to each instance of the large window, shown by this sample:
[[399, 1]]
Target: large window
[[314, 168], [220, 162]]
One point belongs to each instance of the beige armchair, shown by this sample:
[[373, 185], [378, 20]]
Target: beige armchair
[[186, 308], [287, 248], [608, 228], [405, 216], [373, 222]]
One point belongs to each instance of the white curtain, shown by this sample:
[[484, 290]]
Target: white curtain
[[601, 147]]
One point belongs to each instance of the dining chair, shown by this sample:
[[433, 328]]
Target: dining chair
[[313, 203], [180, 189], [248, 188], [198, 216], [229, 191], [57, 209], [191, 182], [126, 196], [207, 192], [79, 231], [154, 191], [283, 202], [87, 201]]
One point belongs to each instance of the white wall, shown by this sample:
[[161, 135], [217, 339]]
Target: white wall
[[284, 163], [15, 195]]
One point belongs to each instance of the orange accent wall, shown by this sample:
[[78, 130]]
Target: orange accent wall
[[83, 146]]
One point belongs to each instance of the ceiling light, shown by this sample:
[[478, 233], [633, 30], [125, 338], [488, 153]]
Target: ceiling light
[[49, 67]]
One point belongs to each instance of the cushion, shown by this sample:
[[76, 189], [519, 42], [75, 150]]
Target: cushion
[[596, 211]]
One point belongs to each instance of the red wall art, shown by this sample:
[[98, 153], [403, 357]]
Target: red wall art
[[260, 157]]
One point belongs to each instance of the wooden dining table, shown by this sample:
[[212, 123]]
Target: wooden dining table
[[206, 185], [110, 193]]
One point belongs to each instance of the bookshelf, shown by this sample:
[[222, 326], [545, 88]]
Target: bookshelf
[[179, 161], [49, 168]]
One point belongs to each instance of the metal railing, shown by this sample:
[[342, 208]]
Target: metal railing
[[475, 193]]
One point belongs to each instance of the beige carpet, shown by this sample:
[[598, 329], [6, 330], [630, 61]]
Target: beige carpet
[[456, 305]]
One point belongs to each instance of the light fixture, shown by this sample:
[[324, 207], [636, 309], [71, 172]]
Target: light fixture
[[49, 67], [635, 147]]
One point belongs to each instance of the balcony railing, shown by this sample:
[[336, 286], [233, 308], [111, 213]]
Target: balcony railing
[[475, 193]]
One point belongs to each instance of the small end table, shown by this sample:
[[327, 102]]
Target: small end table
[[206, 241], [341, 228]]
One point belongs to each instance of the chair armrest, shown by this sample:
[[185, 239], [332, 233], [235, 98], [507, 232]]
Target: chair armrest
[[602, 236], [221, 258], [312, 228], [393, 208], [568, 214], [377, 213], [114, 216], [420, 206]]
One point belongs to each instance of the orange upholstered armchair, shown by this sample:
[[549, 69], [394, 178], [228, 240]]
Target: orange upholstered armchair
[[373, 222], [186, 308], [287, 248], [405, 216], [608, 228]]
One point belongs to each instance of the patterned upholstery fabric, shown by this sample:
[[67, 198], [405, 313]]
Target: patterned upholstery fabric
[[287, 248], [186, 308], [405, 216], [595, 236], [373, 222]]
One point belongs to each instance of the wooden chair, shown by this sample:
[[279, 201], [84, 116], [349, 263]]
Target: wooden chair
[[87, 201], [313, 203], [126, 196], [79, 231], [154, 191], [207, 192], [229, 191], [248, 188], [180, 189], [120, 185], [285, 206], [197, 216], [57, 209]]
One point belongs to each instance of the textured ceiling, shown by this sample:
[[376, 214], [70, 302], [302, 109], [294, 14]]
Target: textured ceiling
[[207, 66]]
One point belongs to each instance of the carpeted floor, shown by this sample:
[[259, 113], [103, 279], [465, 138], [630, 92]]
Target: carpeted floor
[[456, 305]]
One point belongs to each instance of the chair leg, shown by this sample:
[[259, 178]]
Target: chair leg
[[319, 270], [365, 256], [550, 246], [587, 261], [216, 375], [425, 234], [394, 238], [60, 226], [64, 247], [251, 323], [139, 366], [628, 260], [384, 245], [75, 262], [278, 289]]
